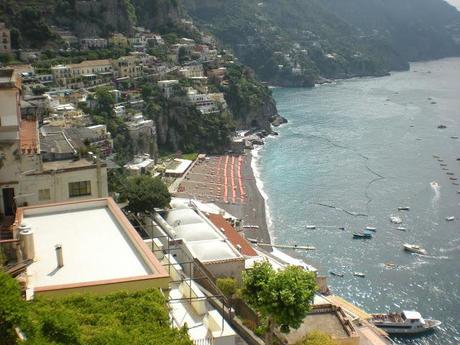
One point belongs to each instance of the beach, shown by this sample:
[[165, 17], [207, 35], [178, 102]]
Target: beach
[[229, 182]]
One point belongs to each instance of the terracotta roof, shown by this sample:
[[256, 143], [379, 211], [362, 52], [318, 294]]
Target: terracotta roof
[[232, 235], [91, 63], [28, 135]]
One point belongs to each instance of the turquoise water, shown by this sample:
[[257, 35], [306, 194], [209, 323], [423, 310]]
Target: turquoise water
[[365, 147]]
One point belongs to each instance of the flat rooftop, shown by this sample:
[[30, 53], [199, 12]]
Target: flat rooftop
[[98, 245]]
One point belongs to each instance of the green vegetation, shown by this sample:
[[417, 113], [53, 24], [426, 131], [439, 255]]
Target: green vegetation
[[228, 286], [117, 318], [144, 193], [317, 338], [294, 42], [282, 297], [12, 308]]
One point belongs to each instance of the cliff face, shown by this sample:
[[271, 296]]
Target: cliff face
[[157, 15]]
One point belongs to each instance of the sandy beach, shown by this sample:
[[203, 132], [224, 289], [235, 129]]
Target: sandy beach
[[229, 182]]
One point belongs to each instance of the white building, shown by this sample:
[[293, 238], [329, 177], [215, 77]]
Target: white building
[[168, 87], [88, 246]]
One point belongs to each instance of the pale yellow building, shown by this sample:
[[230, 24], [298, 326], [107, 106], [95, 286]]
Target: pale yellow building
[[84, 74], [128, 67]]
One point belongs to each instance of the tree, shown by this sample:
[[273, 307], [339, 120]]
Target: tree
[[228, 286], [282, 297], [317, 338], [12, 307], [144, 193]]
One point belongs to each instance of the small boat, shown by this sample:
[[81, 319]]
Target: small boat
[[252, 240], [404, 208], [455, 183], [336, 274], [458, 159], [401, 228], [449, 219], [390, 265], [310, 227], [359, 274], [407, 322], [443, 164], [442, 126], [453, 178], [454, 137], [434, 156], [450, 173], [371, 228], [413, 248], [343, 228], [362, 235], [396, 220], [434, 184]]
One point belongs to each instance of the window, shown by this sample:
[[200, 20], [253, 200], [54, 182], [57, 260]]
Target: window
[[44, 194], [79, 188]]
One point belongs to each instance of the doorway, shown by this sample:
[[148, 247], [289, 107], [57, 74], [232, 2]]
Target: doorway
[[8, 201]]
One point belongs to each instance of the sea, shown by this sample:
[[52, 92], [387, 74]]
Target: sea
[[352, 153]]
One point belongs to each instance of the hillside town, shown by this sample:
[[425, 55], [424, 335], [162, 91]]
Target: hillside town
[[72, 133]]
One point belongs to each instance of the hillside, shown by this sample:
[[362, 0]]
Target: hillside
[[299, 42]]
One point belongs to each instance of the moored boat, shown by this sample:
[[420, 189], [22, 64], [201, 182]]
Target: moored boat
[[359, 274], [449, 219], [403, 208], [371, 228], [414, 248], [407, 322], [401, 228], [336, 274], [310, 227], [362, 235]]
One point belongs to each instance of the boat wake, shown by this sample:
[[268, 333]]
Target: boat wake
[[437, 193], [351, 213], [378, 176]]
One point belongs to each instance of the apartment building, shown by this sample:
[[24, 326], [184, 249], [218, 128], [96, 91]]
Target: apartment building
[[84, 74]]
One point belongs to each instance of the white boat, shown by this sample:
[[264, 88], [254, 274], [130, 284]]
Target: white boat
[[401, 228], [359, 274], [371, 228], [310, 227], [413, 248], [396, 220], [449, 219], [407, 322], [403, 208]]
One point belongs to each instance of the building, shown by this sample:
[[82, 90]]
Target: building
[[5, 39], [168, 87], [207, 103], [143, 133], [119, 40], [25, 179], [192, 71], [84, 74], [97, 250], [177, 167], [93, 43], [128, 67], [140, 165], [194, 234]]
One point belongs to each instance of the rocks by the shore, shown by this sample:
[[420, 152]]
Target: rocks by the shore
[[277, 120]]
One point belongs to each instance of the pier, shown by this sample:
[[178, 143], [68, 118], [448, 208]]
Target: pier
[[285, 246]]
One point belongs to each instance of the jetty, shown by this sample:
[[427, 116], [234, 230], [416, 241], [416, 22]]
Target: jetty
[[285, 246]]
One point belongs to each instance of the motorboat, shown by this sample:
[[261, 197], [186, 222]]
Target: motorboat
[[396, 220], [450, 173], [362, 235], [310, 227], [414, 248], [404, 208], [371, 228], [359, 274], [434, 184], [336, 274], [401, 228], [407, 322], [449, 219]]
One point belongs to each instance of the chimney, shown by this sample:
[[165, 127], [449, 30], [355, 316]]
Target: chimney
[[60, 259]]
